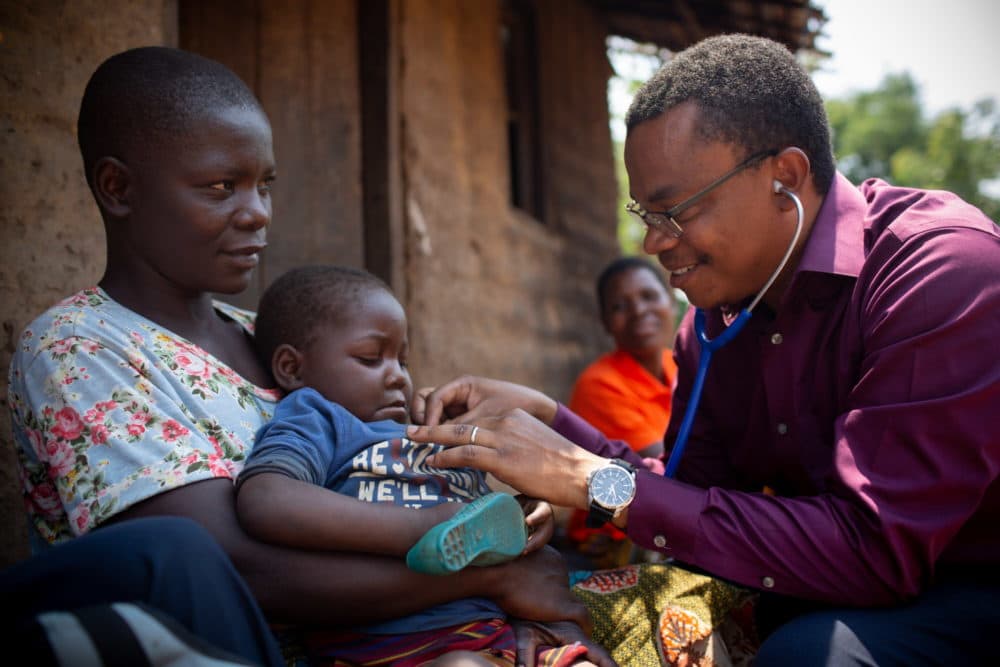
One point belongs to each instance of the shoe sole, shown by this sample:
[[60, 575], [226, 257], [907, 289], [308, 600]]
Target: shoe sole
[[488, 531]]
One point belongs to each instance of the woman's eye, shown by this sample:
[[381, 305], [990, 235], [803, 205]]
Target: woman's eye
[[223, 186], [265, 185], [368, 361]]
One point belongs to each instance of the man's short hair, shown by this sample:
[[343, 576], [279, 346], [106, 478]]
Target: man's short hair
[[295, 306], [150, 94], [621, 265], [752, 93]]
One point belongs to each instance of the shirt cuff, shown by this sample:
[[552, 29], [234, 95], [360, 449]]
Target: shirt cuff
[[664, 515]]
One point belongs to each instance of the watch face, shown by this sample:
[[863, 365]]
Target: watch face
[[612, 486]]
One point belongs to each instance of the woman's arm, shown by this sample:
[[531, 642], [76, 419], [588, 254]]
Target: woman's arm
[[279, 509], [340, 588]]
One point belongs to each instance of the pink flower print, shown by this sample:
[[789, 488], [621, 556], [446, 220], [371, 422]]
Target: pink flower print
[[61, 458], [45, 500], [193, 365], [173, 430], [90, 346], [105, 406], [37, 442], [231, 375], [189, 459], [93, 415], [63, 346], [68, 425], [136, 337], [80, 517], [135, 430], [219, 466], [99, 434]]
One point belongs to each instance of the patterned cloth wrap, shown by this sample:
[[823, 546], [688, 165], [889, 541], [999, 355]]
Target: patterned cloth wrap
[[661, 614], [493, 639], [646, 615]]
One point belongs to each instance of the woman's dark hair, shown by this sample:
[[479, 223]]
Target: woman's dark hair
[[150, 95]]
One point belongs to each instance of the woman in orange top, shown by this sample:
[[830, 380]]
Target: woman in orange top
[[626, 393]]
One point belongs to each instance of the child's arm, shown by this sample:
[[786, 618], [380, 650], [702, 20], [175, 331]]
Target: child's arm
[[276, 508], [540, 518]]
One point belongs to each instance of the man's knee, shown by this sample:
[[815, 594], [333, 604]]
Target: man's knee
[[819, 639]]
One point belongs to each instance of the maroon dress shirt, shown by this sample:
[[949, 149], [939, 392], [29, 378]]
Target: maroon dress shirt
[[869, 402]]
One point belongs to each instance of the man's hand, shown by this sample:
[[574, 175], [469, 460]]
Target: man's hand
[[520, 451], [532, 634], [471, 398]]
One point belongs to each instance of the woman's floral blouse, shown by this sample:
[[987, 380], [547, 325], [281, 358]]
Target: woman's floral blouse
[[108, 409]]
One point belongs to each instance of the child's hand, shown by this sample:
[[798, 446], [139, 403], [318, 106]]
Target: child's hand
[[541, 521], [654, 464]]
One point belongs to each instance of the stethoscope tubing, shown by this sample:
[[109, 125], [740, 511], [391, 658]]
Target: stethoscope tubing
[[710, 345]]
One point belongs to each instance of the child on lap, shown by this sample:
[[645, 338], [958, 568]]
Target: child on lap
[[336, 339]]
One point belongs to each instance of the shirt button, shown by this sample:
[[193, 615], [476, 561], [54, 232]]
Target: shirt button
[[776, 339], [767, 582], [782, 428], [660, 541]]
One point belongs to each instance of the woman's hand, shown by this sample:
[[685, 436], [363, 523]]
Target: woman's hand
[[531, 635], [471, 398], [534, 586], [520, 451], [541, 521]]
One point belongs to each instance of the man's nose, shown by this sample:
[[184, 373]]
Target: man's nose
[[656, 241]]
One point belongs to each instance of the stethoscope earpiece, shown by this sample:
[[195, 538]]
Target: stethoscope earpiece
[[778, 187]]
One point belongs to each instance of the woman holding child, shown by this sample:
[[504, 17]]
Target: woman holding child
[[142, 396]]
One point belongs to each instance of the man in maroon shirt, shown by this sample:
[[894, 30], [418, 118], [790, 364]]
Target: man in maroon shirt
[[864, 391]]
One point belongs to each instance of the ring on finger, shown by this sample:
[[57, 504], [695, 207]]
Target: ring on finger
[[472, 438]]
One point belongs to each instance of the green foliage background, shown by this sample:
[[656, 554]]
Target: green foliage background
[[885, 133]]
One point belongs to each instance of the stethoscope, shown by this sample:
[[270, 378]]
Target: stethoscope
[[710, 345]]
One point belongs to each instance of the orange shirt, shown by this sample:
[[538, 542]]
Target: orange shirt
[[619, 398]]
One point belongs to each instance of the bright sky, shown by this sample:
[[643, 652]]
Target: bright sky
[[951, 48]]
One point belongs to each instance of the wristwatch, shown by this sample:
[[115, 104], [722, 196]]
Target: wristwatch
[[610, 489]]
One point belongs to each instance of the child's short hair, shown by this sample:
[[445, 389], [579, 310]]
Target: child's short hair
[[151, 93], [301, 300]]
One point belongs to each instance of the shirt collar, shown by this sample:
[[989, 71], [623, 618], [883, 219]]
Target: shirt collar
[[836, 242]]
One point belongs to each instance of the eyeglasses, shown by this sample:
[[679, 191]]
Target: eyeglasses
[[666, 221]]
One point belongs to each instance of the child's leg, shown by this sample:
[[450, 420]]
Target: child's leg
[[487, 531]]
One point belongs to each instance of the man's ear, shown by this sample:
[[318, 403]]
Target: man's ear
[[112, 185], [792, 170], [286, 366]]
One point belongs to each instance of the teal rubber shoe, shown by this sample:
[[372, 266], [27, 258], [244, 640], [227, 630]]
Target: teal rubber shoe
[[488, 531]]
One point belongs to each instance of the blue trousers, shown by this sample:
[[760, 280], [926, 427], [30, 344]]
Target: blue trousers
[[956, 622], [171, 565]]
